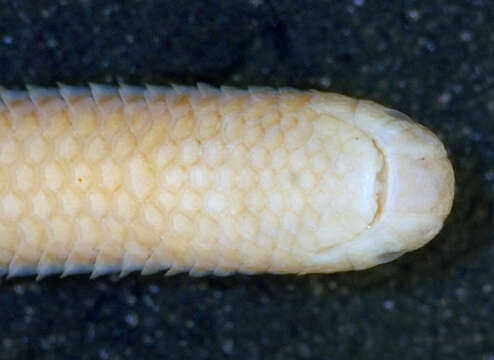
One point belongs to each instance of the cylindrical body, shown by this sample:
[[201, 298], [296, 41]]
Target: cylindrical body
[[206, 180]]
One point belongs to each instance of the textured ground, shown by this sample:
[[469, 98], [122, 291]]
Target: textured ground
[[432, 61]]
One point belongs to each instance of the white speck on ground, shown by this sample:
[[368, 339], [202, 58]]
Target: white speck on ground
[[388, 305], [132, 319], [325, 81], [7, 39], [444, 99], [413, 14], [255, 3], [228, 346], [465, 36]]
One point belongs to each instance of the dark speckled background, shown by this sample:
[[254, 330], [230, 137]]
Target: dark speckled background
[[431, 59]]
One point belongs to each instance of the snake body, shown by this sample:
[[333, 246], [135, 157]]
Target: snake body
[[212, 180]]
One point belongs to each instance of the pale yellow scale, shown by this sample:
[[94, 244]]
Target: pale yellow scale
[[199, 179]]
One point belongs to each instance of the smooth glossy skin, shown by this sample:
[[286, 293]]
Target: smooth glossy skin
[[207, 180]]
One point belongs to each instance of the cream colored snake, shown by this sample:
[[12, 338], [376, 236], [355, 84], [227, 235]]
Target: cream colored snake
[[207, 180]]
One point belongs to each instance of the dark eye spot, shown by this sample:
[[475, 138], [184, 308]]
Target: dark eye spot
[[389, 256]]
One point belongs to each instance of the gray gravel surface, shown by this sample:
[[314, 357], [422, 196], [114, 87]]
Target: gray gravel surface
[[433, 60]]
